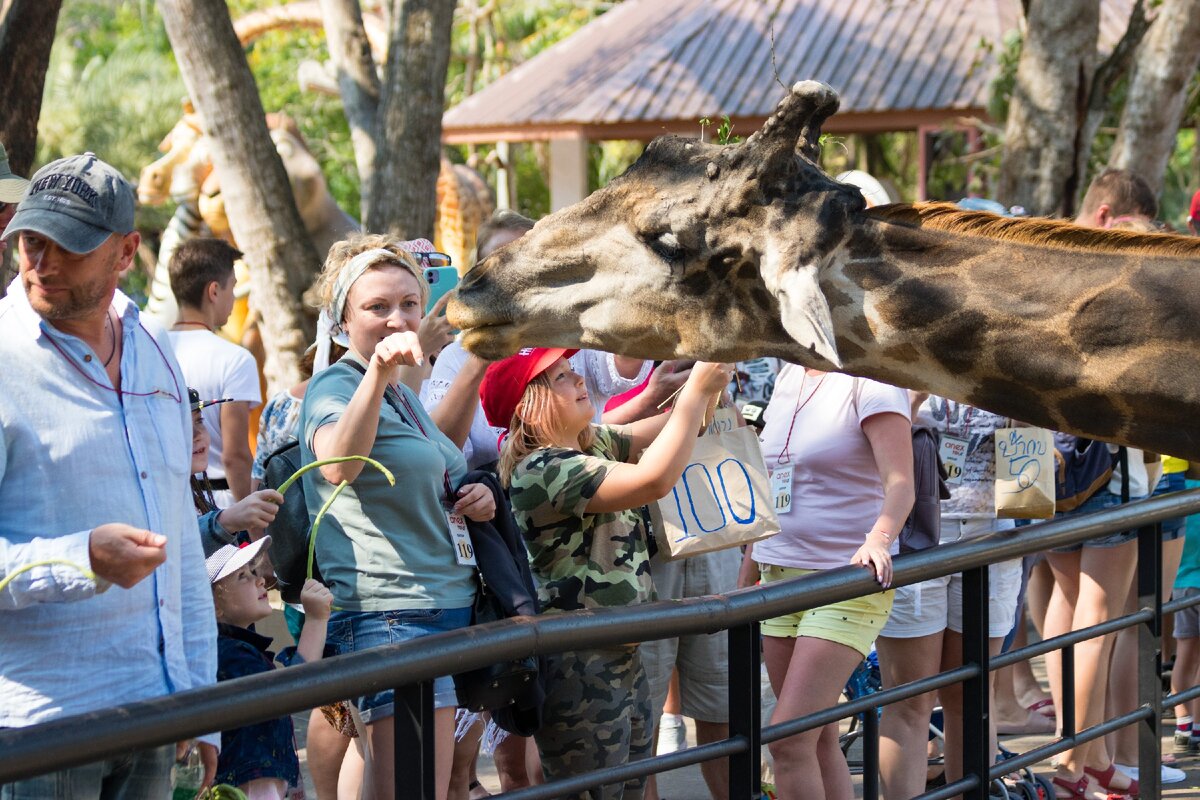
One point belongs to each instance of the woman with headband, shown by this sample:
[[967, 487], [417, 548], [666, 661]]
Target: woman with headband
[[386, 552]]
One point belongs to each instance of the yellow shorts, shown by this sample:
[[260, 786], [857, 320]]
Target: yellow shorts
[[854, 623]]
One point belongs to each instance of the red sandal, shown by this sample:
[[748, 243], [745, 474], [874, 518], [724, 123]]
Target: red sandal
[[1104, 776], [1079, 789]]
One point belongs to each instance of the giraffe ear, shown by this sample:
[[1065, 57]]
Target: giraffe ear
[[805, 312]]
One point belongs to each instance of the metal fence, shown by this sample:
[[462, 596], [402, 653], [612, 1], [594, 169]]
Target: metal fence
[[411, 667]]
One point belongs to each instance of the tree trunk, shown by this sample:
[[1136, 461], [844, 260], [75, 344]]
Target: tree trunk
[[26, 36], [258, 199], [409, 123], [358, 84], [1049, 105], [1158, 88], [1100, 99]]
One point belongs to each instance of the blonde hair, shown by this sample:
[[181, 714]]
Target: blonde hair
[[344, 251], [534, 424]]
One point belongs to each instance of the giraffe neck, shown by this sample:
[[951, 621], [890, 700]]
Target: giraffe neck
[[1095, 343]]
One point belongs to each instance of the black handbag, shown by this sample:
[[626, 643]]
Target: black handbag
[[496, 685]]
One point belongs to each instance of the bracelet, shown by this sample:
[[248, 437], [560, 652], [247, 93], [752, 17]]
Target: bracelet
[[887, 537]]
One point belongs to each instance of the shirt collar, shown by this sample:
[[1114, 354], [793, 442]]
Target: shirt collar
[[33, 324], [250, 637]]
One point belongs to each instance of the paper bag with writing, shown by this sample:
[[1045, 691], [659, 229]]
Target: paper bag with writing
[[722, 500], [1024, 473]]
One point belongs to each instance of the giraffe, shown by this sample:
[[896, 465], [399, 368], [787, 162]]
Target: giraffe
[[726, 253]]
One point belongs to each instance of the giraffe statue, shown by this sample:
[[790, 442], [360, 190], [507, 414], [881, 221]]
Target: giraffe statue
[[726, 253]]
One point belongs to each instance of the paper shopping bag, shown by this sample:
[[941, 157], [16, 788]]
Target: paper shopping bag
[[722, 500], [1024, 473]]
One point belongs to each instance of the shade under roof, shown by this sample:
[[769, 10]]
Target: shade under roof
[[650, 66]]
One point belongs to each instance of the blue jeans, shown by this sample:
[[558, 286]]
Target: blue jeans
[[146, 774], [352, 631]]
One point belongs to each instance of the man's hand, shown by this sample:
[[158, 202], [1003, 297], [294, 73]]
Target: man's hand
[[123, 554]]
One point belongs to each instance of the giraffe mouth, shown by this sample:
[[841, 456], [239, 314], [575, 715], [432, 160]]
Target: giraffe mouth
[[492, 341]]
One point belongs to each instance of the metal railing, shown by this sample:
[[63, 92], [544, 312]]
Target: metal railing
[[411, 667]]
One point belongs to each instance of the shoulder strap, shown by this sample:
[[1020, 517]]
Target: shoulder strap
[[389, 394]]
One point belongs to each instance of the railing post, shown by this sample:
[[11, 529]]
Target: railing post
[[1149, 666], [414, 742], [745, 711], [870, 740], [977, 751]]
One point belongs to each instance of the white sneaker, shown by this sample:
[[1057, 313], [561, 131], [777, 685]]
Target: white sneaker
[[1169, 774], [672, 734]]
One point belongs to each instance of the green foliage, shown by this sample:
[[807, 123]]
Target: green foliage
[[1005, 80], [512, 33], [112, 87]]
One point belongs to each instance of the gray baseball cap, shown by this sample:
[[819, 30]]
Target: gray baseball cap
[[78, 202], [12, 186]]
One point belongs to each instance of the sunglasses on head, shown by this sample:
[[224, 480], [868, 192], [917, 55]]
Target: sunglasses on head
[[433, 259]]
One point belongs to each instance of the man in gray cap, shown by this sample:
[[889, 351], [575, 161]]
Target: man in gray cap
[[12, 189], [94, 491]]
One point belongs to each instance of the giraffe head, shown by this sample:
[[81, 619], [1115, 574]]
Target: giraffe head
[[697, 250]]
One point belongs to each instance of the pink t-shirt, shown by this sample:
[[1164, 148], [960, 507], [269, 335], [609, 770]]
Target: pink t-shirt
[[836, 490]]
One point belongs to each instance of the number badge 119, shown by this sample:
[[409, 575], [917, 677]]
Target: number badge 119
[[460, 537], [781, 489]]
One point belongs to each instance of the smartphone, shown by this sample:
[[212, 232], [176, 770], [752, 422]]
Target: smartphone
[[441, 281]]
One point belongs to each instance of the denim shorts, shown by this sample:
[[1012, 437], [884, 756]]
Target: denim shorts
[[1171, 482], [1101, 500], [352, 631]]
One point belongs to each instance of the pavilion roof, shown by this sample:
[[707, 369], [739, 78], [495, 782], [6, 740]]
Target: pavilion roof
[[653, 66]]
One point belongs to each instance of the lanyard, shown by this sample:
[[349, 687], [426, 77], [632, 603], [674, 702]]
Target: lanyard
[[416, 422], [785, 455], [966, 418], [387, 395]]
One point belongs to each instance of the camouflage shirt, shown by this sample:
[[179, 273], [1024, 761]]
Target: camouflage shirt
[[580, 560]]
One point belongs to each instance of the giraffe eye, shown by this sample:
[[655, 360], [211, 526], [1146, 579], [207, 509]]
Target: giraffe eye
[[666, 246]]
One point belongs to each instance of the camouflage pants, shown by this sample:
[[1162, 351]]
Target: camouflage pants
[[597, 714]]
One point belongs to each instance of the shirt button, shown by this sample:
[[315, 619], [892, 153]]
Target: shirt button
[[87, 358], [144, 476], [162, 603]]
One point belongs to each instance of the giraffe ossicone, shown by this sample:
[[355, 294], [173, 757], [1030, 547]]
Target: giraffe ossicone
[[727, 253]]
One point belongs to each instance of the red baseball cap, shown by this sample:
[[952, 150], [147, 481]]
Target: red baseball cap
[[505, 381]]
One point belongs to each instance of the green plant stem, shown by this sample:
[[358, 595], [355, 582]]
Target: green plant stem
[[283, 487], [312, 536]]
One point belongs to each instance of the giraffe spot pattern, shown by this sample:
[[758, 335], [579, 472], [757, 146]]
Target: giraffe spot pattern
[[1012, 398], [916, 303], [1103, 321], [957, 343], [1044, 359]]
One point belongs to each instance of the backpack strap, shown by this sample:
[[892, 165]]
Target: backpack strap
[[1123, 460], [387, 394]]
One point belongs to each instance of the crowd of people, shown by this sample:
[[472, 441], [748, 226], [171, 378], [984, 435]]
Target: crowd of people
[[99, 487]]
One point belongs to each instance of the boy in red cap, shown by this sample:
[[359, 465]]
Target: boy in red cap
[[576, 494]]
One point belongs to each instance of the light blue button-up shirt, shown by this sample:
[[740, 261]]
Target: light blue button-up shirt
[[74, 455]]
